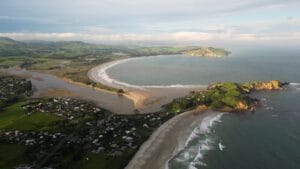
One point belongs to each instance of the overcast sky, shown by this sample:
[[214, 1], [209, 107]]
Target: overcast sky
[[202, 21]]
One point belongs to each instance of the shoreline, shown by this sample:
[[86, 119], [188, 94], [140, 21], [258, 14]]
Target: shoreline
[[156, 152], [98, 74], [145, 98], [138, 98], [143, 101]]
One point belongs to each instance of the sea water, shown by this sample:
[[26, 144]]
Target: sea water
[[266, 139], [241, 66]]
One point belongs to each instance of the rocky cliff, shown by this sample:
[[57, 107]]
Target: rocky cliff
[[271, 85]]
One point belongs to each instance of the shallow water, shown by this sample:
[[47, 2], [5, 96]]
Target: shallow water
[[43, 82]]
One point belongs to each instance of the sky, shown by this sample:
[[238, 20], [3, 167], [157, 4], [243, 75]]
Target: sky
[[221, 22]]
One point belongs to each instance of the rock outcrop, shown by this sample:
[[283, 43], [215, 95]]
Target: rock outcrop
[[241, 106], [271, 85]]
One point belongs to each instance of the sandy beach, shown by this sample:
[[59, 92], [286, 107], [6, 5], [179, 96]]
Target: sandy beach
[[147, 99], [167, 140]]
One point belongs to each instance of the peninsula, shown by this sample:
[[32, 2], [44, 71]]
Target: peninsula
[[208, 52], [224, 96]]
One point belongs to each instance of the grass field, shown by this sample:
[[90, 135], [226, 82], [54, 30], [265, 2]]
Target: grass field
[[14, 117], [12, 61]]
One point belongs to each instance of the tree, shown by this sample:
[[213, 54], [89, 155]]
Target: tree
[[121, 92]]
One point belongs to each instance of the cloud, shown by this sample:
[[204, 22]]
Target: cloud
[[247, 5], [178, 37], [29, 19], [97, 29], [95, 9], [207, 21]]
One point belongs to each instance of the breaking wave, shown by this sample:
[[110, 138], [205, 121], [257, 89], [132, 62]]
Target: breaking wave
[[295, 85], [200, 141]]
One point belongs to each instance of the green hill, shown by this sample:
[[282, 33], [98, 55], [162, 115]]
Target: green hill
[[4, 40], [10, 47]]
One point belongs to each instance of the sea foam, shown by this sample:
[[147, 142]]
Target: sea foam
[[295, 85], [198, 143]]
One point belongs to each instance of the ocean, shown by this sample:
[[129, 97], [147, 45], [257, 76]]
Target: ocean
[[269, 138]]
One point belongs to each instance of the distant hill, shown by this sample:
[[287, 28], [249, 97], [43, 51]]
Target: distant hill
[[10, 47], [75, 49], [61, 49], [8, 41], [4, 40], [208, 52]]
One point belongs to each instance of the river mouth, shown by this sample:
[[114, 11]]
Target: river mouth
[[46, 85]]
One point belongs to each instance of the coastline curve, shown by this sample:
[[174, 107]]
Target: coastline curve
[[99, 74]]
